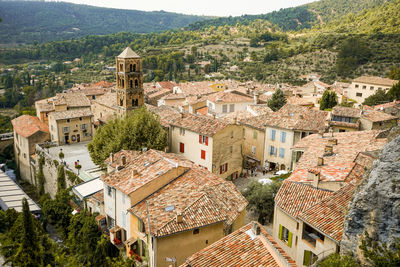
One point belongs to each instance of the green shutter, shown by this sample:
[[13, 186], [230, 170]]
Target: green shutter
[[139, 242], [307, 257], [138, 224], [289, 243], [280, 232]]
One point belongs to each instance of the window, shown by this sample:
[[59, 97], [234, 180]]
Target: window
[[357, 86], [272, 150], [224, 108], [109, 191], [84, 127], [196, 231], [203, 139], [253, 150], [223, 168], [255, 134], [52, 128], [123, 198], [281, 152], [123, 217], [231, 107], [283, 137], [203, 154], [309, 258], [232, 134], [65, 129], [273, 133], [136, 83], [285, 235], [364, 87], [231, 149], [68, 120], [359, 94], [181, 131], [80, 118], [371, 88], [379, 88], [182, 147]]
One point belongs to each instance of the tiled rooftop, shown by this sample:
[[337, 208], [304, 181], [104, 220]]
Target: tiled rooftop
[[294, 197], [230, 97], [376, 116], [167, 85], [70, 114], [167, 114], [27, 125], [259, 109], [300, 101], [387, 105], [237, 116], [346, 112], [117, 157], [291, 117], [199, 195], [199, 124], [349, 144], [196, 88], [109, 99], [242, 248], [71, 99], [331, 173], [375, 80]]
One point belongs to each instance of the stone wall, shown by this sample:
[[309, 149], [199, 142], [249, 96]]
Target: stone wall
[[375, 207]]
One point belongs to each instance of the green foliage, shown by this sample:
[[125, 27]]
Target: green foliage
[[261, 199], [72, 177], [88, 245], [138, 129], [336, 260], [394, 92], [277, 100], [380, 97], [394, 73], [328, 100], [40, 176], [5, 124], [352, 53], [379, 254], [37, 22], [61, 183], [25, 243], [58, 212]]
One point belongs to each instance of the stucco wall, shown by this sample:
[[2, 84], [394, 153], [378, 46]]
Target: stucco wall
[[249, 141]]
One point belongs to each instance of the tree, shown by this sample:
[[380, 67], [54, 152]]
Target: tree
[[137, 130], [328, 100], [379, 254], [338, 260], [261, 199], [378, 98], [352, 53], [394, 73], [61, 183], [277, 100], [394, 92]]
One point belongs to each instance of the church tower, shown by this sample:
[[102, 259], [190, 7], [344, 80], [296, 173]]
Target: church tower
[[129, 76]]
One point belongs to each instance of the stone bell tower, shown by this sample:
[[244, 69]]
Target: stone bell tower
[[129, 76]]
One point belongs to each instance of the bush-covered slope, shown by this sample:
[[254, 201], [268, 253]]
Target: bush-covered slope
[[26, 22]]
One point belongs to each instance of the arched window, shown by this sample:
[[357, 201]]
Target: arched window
[[123, 83], [136, 83], [134, 67], [121, 102], [130, 84], [121, 67]]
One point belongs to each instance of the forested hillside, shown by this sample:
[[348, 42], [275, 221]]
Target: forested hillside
[[29, 22], [297, 18]]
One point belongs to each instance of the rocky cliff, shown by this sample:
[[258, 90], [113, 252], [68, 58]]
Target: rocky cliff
[[375, 207]]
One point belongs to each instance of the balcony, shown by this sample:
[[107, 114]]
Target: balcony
[[310, 236]]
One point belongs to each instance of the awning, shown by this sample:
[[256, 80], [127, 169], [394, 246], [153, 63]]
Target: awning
[[131, 241], [251, 159]]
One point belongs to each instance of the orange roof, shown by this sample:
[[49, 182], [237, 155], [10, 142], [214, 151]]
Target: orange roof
[[375, 80], [230, 97], [27, 125], [167, 85], [102, 84], [242, 248], [293, 197], [202, 111], [199, 124]]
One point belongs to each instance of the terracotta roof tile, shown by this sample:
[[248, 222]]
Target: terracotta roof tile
[[376, 116], [109, 99], [242, 248], [294, 197], [167, 114], [117, 157], [375, 80], [230, 97], [27, 125], [199, 124], [70, 114]]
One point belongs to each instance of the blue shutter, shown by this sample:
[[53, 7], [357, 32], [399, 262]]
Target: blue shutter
[[273, 132], [283, 137], [281, 152]]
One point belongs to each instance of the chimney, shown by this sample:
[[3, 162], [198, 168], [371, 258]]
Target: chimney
[[255, 228], [328, 150], [320, 161], [255, 97], [314, 175], [123, 159], [179, 217], [112, 157], [332, 141]]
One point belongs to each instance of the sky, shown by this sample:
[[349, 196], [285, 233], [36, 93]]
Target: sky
[[199, 7]]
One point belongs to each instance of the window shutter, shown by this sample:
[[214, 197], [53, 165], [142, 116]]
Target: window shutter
[[290, 239], [226, 167], [206, 140], [220, 169], [139, 225], [307, 258], [200, 138], [280, 232]]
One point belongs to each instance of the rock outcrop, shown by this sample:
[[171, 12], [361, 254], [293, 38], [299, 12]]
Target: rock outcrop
[[375, 207]]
